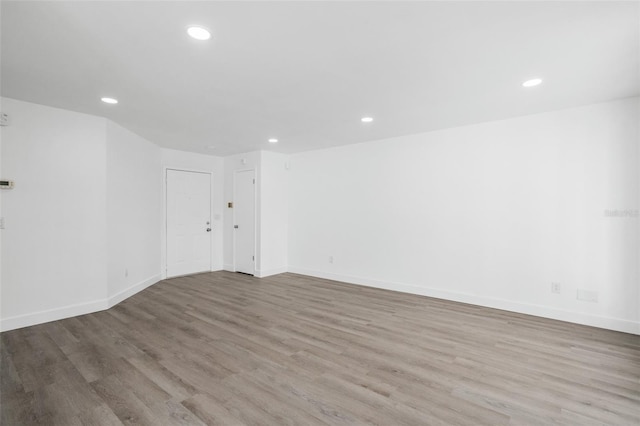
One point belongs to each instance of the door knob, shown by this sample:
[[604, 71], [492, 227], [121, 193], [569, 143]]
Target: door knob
[[208, 229], [235, 226]]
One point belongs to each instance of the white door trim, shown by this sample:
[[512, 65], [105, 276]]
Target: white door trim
[[164, 241], [255, 217]]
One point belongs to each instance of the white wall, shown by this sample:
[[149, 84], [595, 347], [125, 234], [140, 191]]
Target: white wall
[[274, 214], [180, 160], [637, 137], [490, 214], [54, 241], [86, 208], [134, 206], [1, 213], [272, 193]]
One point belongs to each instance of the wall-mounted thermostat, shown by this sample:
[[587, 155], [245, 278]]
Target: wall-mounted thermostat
[[4, 119], [6, 184]]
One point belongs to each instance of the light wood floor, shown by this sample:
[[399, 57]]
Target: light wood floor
[[224, 348]]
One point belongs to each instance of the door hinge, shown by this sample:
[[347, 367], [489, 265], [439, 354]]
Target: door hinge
[[254, 181], [253, 258]]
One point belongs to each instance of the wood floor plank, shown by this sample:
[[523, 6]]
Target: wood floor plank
[[230, 349], [210, 411]]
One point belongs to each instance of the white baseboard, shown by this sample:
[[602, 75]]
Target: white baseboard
[[55, 314], [136, 288], [615, 324], [69, 311], [269, 272]]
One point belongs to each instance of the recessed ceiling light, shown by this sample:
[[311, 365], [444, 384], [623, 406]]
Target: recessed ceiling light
[[109, 100], [532, 82], [199, 33], [273, 140], [366, 119]]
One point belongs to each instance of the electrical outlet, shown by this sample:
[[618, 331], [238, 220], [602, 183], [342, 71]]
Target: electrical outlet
[[587, 295], [556, 288], [330, 259]]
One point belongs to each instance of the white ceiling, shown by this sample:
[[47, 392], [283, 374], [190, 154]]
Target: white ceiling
[[306, 72]]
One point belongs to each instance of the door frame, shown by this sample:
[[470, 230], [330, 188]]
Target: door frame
[[165, 240], [255, 217]]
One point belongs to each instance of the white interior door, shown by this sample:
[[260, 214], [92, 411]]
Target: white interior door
[[244, 208], [188, 222]]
